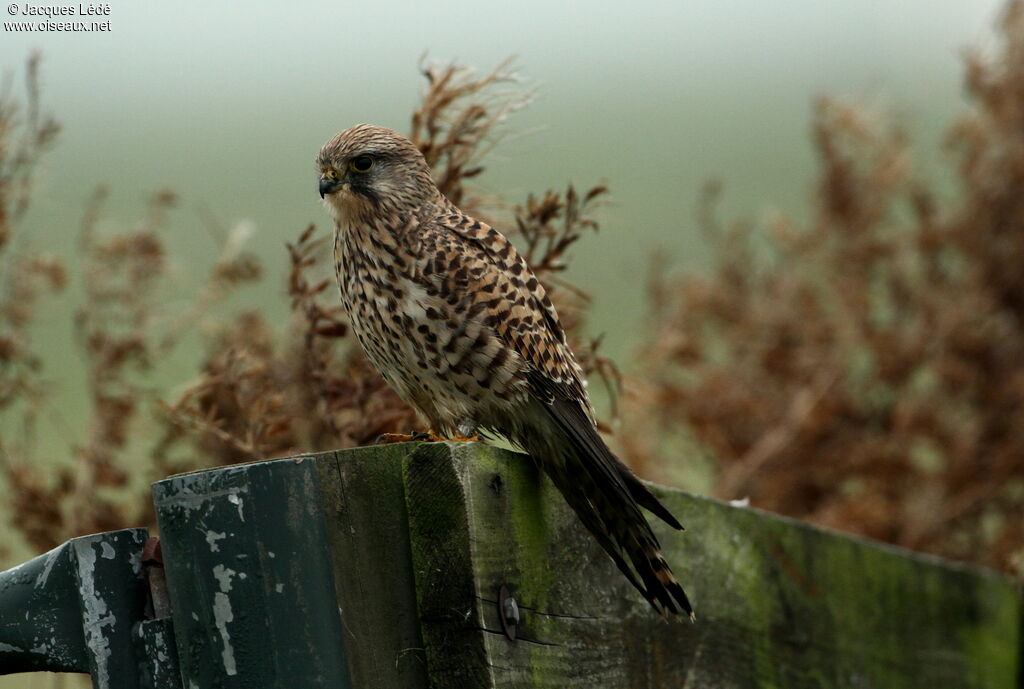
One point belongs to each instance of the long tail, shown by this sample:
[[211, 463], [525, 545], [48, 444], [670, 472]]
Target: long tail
[[606, 495]]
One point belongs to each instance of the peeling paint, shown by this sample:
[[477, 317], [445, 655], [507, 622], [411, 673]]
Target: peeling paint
[[211, 539], [106, 551], [222, 562], [8, 648], [236, 499], [223, 576], [45, 574], [221, 616], [96, 615], [189, 501]]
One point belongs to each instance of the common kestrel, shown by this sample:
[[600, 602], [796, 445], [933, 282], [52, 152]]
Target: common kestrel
[[456, 322]]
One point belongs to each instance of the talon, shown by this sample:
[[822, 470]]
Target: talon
[[456, 438], [421, 436], [388, 438], [410, 437], [459, 438]]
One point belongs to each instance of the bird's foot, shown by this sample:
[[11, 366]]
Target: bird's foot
[[388, 438], [411, 437], [429, 436]]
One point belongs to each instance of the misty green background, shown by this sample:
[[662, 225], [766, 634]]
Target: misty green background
[[227, 103]]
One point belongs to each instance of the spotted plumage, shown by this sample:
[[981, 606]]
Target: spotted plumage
[[457, 323]]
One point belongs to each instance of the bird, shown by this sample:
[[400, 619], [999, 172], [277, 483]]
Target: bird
[[456, 322]]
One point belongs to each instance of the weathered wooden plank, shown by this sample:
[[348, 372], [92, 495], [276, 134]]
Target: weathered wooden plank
[[423, 536], [443, 566], [368, 529], [779, 603], [250, 577]]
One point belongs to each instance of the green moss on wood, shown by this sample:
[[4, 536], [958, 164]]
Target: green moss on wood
[[424, 534], [779, 603]]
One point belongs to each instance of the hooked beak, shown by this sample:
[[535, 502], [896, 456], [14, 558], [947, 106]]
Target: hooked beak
[[329, 185]]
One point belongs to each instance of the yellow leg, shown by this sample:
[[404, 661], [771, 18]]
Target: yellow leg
[[430, 436], [435, 437], [387, 438]]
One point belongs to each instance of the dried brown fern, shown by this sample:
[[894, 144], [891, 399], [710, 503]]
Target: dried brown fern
[[865, 370], [318, 378], [459, 121], [120, 335], [25, 276]]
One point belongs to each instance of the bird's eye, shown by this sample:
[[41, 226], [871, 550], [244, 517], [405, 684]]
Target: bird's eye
[[361, 164]]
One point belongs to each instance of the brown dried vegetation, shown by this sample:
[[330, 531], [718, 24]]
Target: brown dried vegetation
[[861, 370], [26, 278], [865, 370], [259, 393]]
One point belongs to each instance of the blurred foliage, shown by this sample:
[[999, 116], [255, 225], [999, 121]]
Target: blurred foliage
[[259, 392], [863, 370]]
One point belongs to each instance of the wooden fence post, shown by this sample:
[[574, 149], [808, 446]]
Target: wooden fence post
[[779, 603], [249, 576], [455, 565]]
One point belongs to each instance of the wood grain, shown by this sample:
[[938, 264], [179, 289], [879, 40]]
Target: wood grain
[[779, 603]]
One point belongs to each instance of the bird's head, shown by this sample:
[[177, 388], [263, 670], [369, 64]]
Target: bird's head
[[367, 167]]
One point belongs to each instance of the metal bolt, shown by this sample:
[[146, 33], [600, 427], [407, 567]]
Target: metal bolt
[[508, 612], [511, 611]]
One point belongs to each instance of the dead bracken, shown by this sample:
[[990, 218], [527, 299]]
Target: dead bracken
[[259, 393], [863, 370]]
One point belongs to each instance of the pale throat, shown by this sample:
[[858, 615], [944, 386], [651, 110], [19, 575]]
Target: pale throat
[[343, 206]]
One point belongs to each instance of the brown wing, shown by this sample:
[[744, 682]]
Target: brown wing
[[482, 276], [475, 263]]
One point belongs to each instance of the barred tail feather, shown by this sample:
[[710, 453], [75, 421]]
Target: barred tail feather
[[644, 496], [606, 496]]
